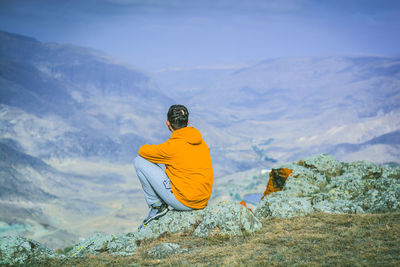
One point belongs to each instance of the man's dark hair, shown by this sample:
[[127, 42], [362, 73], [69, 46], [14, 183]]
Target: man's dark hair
[[178, 116]]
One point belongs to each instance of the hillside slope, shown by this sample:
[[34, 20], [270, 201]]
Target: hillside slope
[[71, 122], [99, 101]]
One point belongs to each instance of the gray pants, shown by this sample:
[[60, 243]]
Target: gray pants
[[156, 184]]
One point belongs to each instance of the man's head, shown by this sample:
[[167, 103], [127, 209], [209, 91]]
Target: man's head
[[177, 117]]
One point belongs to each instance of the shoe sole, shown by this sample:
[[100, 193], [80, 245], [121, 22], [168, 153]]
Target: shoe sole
[[156, 217]]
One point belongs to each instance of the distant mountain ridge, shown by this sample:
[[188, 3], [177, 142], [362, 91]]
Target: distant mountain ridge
[[53, 72], [69, 82], [306, 105], [392, 138]]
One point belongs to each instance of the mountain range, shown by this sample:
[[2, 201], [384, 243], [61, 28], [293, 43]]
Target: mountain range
[[73, 118], [288, 108]]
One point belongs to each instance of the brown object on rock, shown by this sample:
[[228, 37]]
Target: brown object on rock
[[277, 180], [244, 204]]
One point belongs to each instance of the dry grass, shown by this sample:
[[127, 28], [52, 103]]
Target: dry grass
[[317, 240]]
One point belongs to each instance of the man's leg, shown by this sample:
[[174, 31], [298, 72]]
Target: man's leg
[[156, 184], [146, 172]]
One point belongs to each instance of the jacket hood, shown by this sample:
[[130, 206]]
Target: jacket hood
[[190, 134]]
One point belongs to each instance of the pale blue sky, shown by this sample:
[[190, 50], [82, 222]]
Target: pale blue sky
[[154, 34]]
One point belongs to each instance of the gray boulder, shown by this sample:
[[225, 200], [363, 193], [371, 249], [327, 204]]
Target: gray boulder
[[230, 218], [227, 218], [17, 250], [362, 193], [173, 222], [306, 181], [324, 164], [389, 172], [283, 205], [122, 245], [364, 169], [164, 250], [380, 195], [337, 206]]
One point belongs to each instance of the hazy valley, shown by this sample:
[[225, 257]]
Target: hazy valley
[[73, 118]]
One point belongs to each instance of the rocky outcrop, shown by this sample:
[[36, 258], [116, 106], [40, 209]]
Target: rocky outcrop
[[16, 250], [225, 218], [323, 184]]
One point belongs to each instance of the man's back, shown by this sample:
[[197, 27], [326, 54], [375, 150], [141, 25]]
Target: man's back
[[188, 165]]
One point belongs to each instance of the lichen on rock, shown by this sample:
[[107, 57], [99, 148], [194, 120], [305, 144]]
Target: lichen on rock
[[17, 250], [164, 250], [323, 184], [364, 169], [225, 218], [173, 222], [283, 205], [122, 245], [337, 206], [324, 164]]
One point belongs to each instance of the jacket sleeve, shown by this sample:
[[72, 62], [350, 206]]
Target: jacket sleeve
[[161, 153]]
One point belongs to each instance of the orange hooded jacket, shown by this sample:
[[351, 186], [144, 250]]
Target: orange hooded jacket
[[188, 165]]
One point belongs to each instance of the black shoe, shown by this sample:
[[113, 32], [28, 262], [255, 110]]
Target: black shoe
[[155, 213]]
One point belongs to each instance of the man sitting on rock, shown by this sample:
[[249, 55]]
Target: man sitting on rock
[[187, 180]]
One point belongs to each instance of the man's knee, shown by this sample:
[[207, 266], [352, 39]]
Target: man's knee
[[138, 161]]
